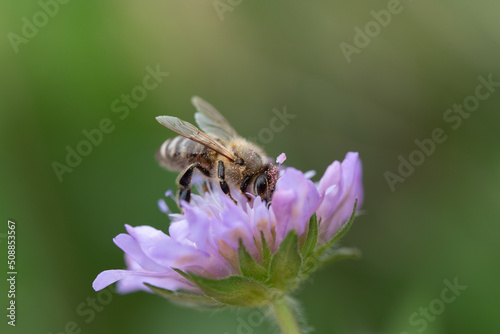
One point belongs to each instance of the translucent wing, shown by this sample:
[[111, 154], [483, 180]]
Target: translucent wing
[[188, 130], [211, 121]]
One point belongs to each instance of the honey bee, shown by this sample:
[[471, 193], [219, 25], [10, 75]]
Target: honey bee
[[218, 153]]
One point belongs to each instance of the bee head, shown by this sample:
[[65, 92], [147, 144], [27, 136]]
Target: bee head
[[261, 185], [264, 183]]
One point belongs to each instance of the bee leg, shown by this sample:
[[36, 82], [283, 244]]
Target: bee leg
[[185, 195], [244, 186], [185, 182], [223, 184]]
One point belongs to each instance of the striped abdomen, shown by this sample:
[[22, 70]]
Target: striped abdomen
[[179, 152]]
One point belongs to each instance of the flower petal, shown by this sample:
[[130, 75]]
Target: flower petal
[[108, 277], [134, 279], [164, 250], [132, 248], [339, 187], [294, 202], [134, 282], [262, 220]]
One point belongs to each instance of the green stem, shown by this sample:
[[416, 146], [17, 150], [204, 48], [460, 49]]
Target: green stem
[[284, 314]]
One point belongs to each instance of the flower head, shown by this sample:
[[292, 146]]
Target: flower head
[[218, 252]]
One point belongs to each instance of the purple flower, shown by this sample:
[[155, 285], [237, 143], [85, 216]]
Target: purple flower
[[214, 239], [339, 188]]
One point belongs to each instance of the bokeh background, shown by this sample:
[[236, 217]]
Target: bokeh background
[[441, 224]]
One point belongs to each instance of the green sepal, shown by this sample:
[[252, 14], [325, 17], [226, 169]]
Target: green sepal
[[340, 233], [347, 226], [248, 266], [285, 264], [318, 255], [338, 254], [266, 253], [183, 274], [331, 256], [312, 238], [184, 297], [234, 290]]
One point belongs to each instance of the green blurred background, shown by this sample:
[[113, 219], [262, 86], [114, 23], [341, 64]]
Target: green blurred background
[[442, 223]]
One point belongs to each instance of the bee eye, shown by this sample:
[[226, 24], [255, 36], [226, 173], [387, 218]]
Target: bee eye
[[261, 185]]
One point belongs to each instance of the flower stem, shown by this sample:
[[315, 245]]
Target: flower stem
[[285, 316]]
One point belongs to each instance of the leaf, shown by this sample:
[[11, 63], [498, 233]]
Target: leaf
[[249, 267], [285, 264]]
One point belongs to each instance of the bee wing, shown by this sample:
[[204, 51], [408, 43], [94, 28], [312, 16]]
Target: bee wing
[[211, 121], [190, 131]]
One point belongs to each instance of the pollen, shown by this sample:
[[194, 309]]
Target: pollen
[[281, 158]]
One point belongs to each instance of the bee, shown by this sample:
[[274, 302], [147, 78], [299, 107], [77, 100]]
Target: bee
[[217, 152]]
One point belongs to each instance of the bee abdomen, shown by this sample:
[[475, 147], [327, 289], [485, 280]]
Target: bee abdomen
[[179, 152]]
